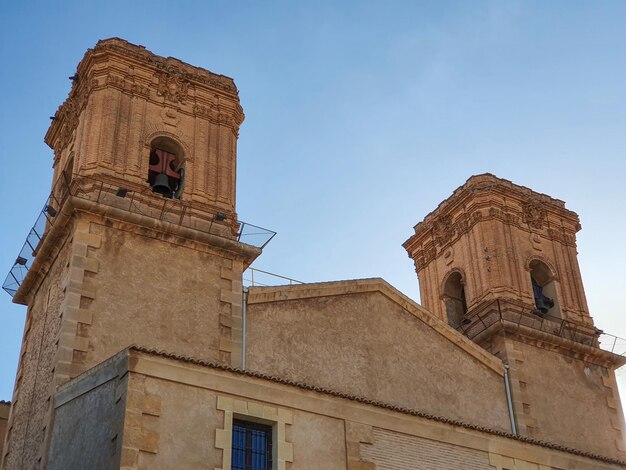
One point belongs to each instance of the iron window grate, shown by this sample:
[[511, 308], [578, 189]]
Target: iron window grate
[[252, 446]]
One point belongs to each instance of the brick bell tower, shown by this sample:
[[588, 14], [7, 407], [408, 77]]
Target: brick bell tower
[[498, 263], [141, 243]]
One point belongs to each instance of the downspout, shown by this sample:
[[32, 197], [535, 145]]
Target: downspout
[[507, 387], [243, 327]]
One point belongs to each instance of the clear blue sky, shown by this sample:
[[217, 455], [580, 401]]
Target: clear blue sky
[[360, 117]]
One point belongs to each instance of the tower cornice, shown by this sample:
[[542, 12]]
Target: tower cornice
[[487, 196], [134, 70]]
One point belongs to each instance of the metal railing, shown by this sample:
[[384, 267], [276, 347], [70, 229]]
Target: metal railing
[[251, 278], [144, 202], [491, 313]]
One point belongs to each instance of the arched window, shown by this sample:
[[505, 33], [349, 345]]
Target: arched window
[[454, 300], [166, 173], [544, 289]]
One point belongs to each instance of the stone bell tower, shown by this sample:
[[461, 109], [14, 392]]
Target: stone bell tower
[[498, 262], [141, 242]]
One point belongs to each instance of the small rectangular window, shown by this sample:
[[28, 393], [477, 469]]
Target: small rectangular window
[[252, 446]]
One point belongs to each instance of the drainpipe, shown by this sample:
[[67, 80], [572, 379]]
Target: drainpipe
[[243, 327], [507, 387]]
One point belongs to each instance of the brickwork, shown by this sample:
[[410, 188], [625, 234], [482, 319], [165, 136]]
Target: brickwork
[[394, 451], [492, 234], [125, 98]]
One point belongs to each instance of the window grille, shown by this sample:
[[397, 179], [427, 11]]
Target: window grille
[[252, 446]]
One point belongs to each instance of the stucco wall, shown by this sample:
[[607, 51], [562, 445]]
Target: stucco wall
[[177, 413], [566, 400], [189, 418], [367, 345], [159, 293]]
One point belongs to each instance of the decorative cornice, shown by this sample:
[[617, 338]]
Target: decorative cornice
[[481, 196], [174, 80], [168, 65]]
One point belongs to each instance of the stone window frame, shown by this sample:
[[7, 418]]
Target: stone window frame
[[278, 418]]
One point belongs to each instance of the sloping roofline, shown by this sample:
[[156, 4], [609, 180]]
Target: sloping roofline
[[259, 295]]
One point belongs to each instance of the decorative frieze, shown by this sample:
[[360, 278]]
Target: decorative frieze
[[127, 86], [173, 84], [534, 213]]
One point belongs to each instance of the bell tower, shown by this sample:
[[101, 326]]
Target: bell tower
[[498, 263], [139, 242]]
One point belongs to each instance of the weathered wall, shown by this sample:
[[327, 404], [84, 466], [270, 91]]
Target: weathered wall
[[89, 419], [393, 450], [179, 414], [34, 380], [165, 293], [367, 345], [566, 400]]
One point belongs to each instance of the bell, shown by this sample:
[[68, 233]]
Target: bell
[[162, 185]]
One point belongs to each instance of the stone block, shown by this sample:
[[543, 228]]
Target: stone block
[[129, 458], [152, 405], [285, 416], [224, 403], [149, 441]]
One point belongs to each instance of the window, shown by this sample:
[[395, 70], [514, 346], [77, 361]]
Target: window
[[454, 300], [252, 446]]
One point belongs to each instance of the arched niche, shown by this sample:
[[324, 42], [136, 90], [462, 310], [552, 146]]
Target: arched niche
[[544, 289], [166, 167], [454, 299]]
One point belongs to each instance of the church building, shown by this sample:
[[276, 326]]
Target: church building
[[142, 348]]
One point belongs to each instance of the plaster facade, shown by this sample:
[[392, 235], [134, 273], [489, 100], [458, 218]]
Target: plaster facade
[[377, 344], [166, 396]]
